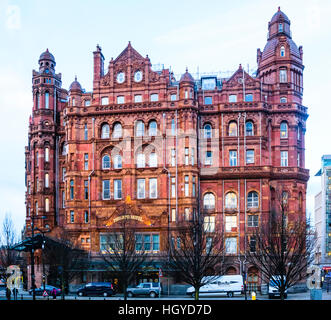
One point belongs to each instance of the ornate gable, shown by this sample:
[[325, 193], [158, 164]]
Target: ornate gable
[[129, 53], [236, 80]]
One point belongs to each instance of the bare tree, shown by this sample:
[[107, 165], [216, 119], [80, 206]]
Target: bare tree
[[64, 260], [123, 252], [196, 255], [8, 238], [282, 249]]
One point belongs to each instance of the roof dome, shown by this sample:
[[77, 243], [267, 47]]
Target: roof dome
[[186, 77], [271, 45], [279, 15], [47, 56], [75, 85]]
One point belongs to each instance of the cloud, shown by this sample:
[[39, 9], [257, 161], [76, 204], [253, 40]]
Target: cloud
[[13, 17]]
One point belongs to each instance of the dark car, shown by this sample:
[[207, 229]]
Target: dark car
[[104, 289], [48, 288]]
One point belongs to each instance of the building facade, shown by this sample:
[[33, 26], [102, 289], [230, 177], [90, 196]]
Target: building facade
[[323, 216], [220, 146]]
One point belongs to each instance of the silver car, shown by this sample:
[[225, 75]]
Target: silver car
[[152, 289]]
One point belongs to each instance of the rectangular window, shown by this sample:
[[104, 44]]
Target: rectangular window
[[85, 132], [173, 127], [154, 97], [86, 161], [173, 97], [173, 157], [249, 97], [63, 173], [252, 220], [120, 99], [153, 188], [63, 200], [173, 187], [117, 189], [72, 216], [106, 189], [192, 156], [46, 180], [187, 214], [46, 154], [47, 205], [252, 244], [186, 186], [87, 103], [86, 217], [104, 101], [209, 158], [141, 160], [208, 100], [138, 98], [233, 158], [230, 223], [209, 224], [249, 156], [186, 156], [147, 242], [298, 159], [141, 188], [283, 158], [231, 245], [153, 159], [85, 189], [193, 186], [173, 214], [232, 98], [282, 75]]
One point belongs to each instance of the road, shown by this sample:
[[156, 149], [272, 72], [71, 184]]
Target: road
[[24, 295]]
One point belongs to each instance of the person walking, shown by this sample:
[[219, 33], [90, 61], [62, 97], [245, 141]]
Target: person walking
[[53, 292], [8, 293]]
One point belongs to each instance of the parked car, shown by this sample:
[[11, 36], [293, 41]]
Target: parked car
[[105, 289], [48, 288], [228, 285], [152, 289], [273, 290]]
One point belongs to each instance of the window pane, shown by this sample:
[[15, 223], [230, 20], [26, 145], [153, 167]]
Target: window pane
[[106, 189], [231, 200], [117, 189], [153, 188], [154, 97], [233, 158], [249, 156], [106, 162], [138, 98], [232, 98], [252, 199], [233, 129], [141, 188], [208, 100]]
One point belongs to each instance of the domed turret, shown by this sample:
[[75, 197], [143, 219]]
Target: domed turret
[[279, 25], [75, 86], [47, 62], [186, 77]]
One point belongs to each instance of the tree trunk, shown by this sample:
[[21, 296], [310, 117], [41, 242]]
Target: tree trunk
[[196, 294]]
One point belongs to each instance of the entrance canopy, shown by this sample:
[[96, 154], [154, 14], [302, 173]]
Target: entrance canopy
[[35, 242]]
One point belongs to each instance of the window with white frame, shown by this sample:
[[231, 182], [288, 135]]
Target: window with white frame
[[85, 161], [233, 158], [106, 162], [117, 131], [106, 189], [140, 129], [231, 200], [173, 187], [46, 154], [207, 131], [105, 131], [153, 159], [153, 188], [173, 157], [284, 158], [252, 199], [209, 201], [283, 130], [231, 245], [141, 160], [154, 97], [249, 156], [117, 161], [104, 100], [46, 180], [117, 189], [152, 129], [209, 158], [141, 188], [138, 98], [186, 161], [85, 132], [230, 223], [252, 220], [282, 75], [120, 99], [186, 186], [209, 224]]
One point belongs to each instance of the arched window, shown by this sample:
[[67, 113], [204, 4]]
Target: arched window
[[37, 100], [117, 162], [46, 180], [283, 130], [209, 201], [207, 131], [233, 129], [140, 129], [282, 51], [46, 100], [252, 199], [152, 130], [105, 131], [249, 128], [72, 189], [117, 133], [46, 205], [231, 200], [106, 162]]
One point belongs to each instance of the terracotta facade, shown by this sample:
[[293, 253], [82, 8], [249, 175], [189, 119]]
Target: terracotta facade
[[243, 135]]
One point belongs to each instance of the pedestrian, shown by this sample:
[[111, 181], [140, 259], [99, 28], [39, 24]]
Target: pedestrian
[[53, 292], [14, 293], [8, 293]]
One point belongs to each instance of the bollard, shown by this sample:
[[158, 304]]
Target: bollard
[[253, 295]]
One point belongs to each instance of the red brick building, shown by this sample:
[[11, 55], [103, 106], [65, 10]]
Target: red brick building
[[142, 133]]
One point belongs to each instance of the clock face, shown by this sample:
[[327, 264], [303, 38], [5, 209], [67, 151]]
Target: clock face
[[138, 76], [120, 77]]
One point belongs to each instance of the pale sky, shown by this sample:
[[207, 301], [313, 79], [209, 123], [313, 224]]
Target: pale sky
[[210, 36]]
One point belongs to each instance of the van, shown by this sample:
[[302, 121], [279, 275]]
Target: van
[[228, 285], [273, 286]]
